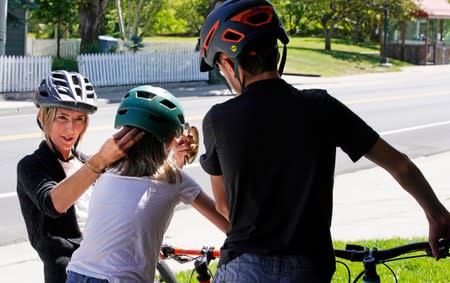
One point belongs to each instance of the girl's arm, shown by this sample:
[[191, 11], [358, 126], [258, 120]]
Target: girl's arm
[[205, 205]]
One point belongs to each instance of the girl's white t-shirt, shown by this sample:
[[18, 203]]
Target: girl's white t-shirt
[[82, 204], [127, 220]]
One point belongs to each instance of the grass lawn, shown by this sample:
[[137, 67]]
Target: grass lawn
[[424, 269], [307, 56]]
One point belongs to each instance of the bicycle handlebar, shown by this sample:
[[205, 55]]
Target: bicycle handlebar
[[179, 254], [359, 253]]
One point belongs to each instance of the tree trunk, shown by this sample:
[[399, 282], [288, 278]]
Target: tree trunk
[[58, 40], [120, 19], [91, 15], [327, 35], [137, 17]]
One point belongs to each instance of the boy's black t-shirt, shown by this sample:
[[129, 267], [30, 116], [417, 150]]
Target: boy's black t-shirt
[[275, 145]]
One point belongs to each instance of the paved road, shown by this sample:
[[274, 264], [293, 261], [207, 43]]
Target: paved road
[[368, 204]]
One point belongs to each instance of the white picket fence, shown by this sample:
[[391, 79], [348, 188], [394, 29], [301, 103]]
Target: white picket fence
[[156, 66], [23, 73]]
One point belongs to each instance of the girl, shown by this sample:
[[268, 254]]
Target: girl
[[133, 203]]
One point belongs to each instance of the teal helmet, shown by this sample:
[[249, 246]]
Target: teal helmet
[[152, 109]]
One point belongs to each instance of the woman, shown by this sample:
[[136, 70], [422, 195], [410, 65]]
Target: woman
[[133, 202], [53, 181]]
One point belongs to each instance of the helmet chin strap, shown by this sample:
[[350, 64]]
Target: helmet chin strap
[[59, 154], [217, 72], [283, 60], [236, 73]]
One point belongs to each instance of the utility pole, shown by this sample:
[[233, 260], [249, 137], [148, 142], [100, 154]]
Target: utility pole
[[384, 60], [3, 17]]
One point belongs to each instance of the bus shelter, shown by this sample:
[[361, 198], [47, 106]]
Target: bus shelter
[[425, 39]]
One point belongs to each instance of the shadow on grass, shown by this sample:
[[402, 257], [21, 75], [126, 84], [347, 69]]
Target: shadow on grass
[[353, 57]]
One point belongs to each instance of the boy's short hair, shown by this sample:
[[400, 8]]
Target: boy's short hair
[[258, 59]]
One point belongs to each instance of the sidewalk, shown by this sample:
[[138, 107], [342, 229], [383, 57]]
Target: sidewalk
[[368, 204]]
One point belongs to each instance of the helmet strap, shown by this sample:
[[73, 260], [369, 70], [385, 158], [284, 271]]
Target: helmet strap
[[218, 74], [59, 154], [236, 72], [283, 61]]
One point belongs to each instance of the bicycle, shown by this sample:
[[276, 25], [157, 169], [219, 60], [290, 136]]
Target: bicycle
[[201, 258], [372, 257], [369, 257]]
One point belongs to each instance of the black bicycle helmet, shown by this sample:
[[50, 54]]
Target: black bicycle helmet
[[152, 109], [237, 24], [66, 90]]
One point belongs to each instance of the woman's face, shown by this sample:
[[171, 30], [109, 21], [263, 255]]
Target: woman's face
[[65, 130]]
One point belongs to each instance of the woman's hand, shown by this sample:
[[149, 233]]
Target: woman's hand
[[115, 147]]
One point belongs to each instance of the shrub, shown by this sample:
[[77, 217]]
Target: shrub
[[64, 64]]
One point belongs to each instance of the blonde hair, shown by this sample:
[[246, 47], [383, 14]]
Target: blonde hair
[[148, 157], [46, 116]]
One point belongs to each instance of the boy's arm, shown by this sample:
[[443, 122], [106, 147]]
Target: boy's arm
[[412, 180]]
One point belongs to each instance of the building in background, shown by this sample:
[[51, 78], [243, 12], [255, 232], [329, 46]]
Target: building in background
[[424, 40], [16, 31]]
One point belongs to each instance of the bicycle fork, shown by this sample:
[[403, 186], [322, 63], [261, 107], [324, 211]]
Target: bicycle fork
[[370, 268]]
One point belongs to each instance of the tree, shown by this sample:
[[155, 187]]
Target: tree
[[136, 17], [193, 12], [291, 13], [329, 13], [91, 15], [57, 12]]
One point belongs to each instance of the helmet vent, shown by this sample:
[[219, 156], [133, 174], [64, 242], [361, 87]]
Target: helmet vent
[[232, 36], [145, 94], [168, 104], [75, 80], [259, 19], [122, 111], [79, 92], [210, 35], [89, 87], [156, 118], [60, 83], [58, 76], [255, 16], [43, 93]]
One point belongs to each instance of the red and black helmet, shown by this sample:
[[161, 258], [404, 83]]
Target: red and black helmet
[[235, 25]]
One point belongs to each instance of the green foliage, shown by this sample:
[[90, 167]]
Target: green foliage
[[166, 22], [55, 12], [64, 64], [193, 13], [90, 48]]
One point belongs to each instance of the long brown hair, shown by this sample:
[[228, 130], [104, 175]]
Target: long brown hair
[[148, 157]]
